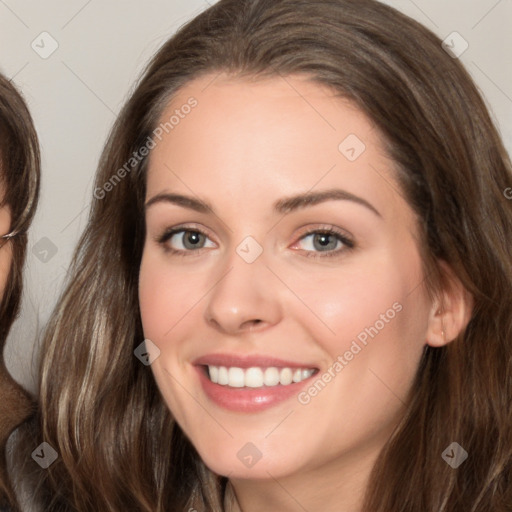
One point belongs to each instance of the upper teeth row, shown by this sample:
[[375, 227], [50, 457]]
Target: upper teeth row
[[256, 377]]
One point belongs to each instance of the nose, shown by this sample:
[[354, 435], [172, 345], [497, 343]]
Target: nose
[[245, 298]]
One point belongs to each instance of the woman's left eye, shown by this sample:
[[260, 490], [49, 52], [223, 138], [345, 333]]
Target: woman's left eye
[[326, 242]]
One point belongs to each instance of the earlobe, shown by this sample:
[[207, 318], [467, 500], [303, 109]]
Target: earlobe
[[450, 312]]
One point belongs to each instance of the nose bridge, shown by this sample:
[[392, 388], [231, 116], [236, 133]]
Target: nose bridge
[[244, 295]]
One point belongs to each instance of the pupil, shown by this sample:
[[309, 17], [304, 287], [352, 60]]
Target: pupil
[[324, 240], [194, 238]]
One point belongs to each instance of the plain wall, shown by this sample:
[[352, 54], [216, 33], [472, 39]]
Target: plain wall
[[75, 93]]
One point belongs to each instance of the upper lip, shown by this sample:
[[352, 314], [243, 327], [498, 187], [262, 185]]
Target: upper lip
[[248, 361]]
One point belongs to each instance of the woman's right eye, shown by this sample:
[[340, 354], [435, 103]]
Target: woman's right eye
[[182, 240]]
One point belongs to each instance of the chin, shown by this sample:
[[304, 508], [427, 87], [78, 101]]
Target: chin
[[251, 460]]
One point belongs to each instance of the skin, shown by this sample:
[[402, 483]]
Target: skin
[[5, 248], [246, 145]]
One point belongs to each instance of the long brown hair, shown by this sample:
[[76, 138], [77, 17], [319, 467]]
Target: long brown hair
[[119, 447], [19, 175]]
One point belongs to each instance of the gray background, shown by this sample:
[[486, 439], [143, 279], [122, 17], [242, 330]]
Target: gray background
[[75, 93]]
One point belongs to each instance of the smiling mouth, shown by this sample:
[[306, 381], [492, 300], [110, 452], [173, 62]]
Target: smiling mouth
[[256, 377]]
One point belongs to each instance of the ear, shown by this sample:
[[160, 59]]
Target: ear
[[451, 310]]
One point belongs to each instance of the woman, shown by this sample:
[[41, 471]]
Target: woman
[[19, 171], [375, 376]]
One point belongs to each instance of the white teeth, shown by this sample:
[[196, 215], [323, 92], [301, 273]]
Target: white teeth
[[271, 376], [223, 376], [254, 377], [214, 374], [257, 377], [305, 374], [285, 377], [236, 377]]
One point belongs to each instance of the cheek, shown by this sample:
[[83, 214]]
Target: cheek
[[165, 295], [357, 299], [378, 317], [165, 298], [371, 320]]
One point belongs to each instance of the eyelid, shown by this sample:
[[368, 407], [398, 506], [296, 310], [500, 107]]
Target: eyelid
[[162, 240], [346, 239], [343, 236], [325, 228], [169, 232]]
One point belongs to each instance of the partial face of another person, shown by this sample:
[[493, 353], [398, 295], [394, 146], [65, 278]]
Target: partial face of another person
[[289, 330], [5, 247], [8, 392]]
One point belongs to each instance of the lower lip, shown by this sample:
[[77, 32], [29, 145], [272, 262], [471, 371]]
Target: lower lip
[[248, 399]]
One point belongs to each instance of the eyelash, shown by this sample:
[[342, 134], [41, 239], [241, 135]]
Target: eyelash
[[347, 242]]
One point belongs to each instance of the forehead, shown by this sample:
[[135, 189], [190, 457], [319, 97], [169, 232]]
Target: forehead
[[267, 136], [263, 105]]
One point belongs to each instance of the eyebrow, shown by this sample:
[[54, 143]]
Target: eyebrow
[[284, 205]]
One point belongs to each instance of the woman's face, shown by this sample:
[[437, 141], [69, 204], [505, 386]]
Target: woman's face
[[254, 282]]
